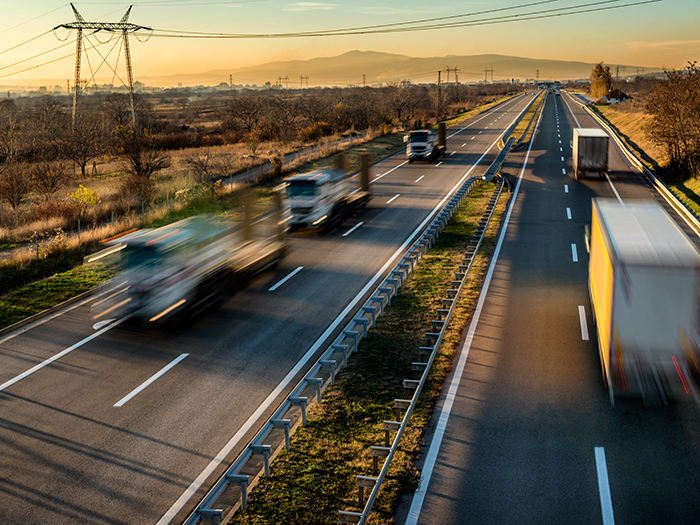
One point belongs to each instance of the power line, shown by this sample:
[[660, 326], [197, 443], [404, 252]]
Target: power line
[[391, 28]]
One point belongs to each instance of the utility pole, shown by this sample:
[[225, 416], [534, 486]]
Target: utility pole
[[537, 78], [439, 96], [230, 81], [122, 26], [364, 80]]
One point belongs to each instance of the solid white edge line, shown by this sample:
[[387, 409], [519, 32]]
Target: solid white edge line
[[146, 383], [434, 450], [574, 252], [231, 444], [614, 189], [584, 323], [572, 113], [353, 229], [604, 487], [60, 355], [419, 178], [568, 213], [393, 198], [284, 280], [387, 173]]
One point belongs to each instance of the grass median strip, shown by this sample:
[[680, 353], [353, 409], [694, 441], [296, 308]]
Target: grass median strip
[[316, 478]]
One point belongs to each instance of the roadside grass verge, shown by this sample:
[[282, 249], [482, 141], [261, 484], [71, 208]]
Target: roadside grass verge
[[316, 478], [40, 295], [524, 130], [461, 117]]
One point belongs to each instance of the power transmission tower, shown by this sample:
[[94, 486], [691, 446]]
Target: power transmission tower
[[486, 74], [286, 82], [537, 78], [448, 75], [122, 26], [230, 81], [302, 79], [364, 80], [455, 70]]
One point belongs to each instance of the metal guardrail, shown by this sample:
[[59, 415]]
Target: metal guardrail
[[433, 339], [246, 469], [688, 215], [275, 433]]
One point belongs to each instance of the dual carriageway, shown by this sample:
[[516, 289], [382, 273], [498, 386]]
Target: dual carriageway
[[92, 434]]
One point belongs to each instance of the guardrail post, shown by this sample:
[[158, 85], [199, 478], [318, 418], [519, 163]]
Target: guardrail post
[[266, 451], [389, 426], [328, 363], [424, 351], [378, 299], [318, 383], [399, 405], [215, 515], [355, 336], [344, 350], [410, 384], [243, 482], [365, 325], [372, 310], [362, 483], [301, 402], [285, 424], [377, 452]]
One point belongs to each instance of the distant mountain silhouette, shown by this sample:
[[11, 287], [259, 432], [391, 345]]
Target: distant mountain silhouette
[[349, 68]]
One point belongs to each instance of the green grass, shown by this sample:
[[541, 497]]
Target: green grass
[[40, 295], [316, 478], [525, 128]]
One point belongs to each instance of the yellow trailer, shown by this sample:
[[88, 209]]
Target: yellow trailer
[[644, 279]]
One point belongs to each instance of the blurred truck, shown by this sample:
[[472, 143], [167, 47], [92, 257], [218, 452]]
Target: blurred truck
[[324, 198], [181, 268], [644, 279], [590, 152], [425, 144]]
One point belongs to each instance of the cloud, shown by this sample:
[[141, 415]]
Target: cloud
[[663, 44], [309, 6]]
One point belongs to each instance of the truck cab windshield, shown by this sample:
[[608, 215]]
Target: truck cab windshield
[[301, 188], [140, 257], [418, 137]]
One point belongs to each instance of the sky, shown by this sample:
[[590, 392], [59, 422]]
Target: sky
[[661, 34]]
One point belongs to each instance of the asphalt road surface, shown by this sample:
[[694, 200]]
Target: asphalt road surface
[[69, 455], [531, 435]]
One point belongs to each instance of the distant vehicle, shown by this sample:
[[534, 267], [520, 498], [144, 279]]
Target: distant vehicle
[[188, 265], [557, 91], [324, 198], [590, 152], [644, 276], [424, 144]]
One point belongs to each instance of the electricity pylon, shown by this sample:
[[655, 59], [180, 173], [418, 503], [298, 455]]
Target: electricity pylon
[[122, 26]]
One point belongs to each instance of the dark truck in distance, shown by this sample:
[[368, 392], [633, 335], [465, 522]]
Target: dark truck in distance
[[590, 152]]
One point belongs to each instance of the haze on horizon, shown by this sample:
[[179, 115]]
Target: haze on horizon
[[662, 34]]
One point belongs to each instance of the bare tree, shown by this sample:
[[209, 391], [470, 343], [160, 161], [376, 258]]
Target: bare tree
[[244, 111], [85, 141], [141, 159], [674, 107], [201, 164], [48, 177], [601, 81], [14, 183]]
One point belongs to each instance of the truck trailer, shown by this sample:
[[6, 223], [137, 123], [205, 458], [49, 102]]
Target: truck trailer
[[590, 152], [180, 269], [644, 279]]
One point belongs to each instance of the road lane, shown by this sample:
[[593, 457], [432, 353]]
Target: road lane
[[70, 456], [531, 409]]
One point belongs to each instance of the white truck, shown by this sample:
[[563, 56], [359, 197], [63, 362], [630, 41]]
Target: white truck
[[590, 152], [186, 266], [425, 144], [644, 279], [324, 198]]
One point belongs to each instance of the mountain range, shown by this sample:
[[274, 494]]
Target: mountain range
[[371, 68]]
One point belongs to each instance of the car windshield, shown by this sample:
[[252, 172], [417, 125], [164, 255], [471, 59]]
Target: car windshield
[[419, 137], [301, 188], [140, 257]]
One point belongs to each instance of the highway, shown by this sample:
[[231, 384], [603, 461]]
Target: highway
[[526, 430], [113, 424]]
